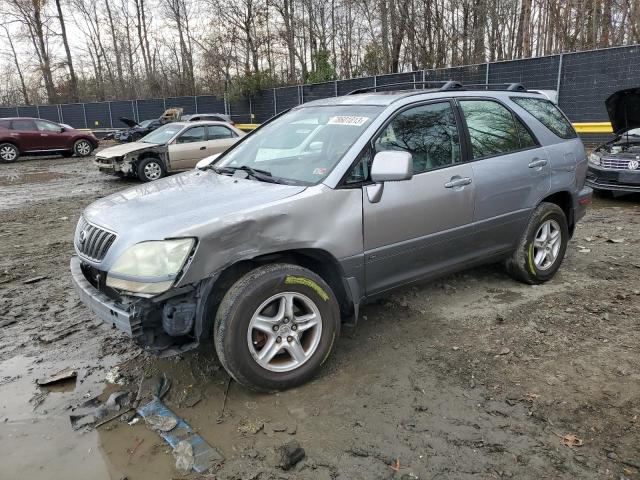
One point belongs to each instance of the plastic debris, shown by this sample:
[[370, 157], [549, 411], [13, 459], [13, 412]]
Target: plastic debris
[[61, 376], [204, 455]]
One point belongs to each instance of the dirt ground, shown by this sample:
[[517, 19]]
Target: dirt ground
[[473, 376]]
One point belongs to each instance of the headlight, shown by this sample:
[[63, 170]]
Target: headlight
[[150, 267], [594, 158]]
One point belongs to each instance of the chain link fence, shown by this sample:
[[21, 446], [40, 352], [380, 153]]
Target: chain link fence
[[583, 81]]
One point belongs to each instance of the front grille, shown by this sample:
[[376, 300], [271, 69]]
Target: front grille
[[615, 163], [91, 241]]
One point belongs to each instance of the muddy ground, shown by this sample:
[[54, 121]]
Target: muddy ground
[[472, 376]]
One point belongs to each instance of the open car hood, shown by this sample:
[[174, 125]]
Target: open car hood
[[128, 122], [623, 108]]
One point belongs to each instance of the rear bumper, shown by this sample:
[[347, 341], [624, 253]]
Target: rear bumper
[[613, 180], [104, 307], [582, 201]]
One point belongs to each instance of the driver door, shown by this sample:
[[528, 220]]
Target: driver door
[[189, 147], [419, 226]]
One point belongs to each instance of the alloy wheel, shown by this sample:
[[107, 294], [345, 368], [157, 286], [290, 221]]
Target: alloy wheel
[[546, 244], [83, 148], [152, 170], [8, 153]]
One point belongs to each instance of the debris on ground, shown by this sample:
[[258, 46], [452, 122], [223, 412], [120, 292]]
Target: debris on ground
[[93, 413], [204, 455], [62, 376], [114, 377], [161, 423], [29, 281], [183, 453], [289, 454], [571, 440]]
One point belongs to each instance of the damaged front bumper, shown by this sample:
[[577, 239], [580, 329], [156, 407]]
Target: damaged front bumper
[[168, 324], [623, 180], [112, 165]]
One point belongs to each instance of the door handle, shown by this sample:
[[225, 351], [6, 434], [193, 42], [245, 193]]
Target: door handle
[[537, 162], [203, 148], [457, 182]]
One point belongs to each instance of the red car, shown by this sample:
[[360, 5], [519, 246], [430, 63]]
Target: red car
[[22, 136]]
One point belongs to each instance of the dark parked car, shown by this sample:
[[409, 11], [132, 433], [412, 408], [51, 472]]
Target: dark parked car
[[34, 136], [136, 130], [615, 166]]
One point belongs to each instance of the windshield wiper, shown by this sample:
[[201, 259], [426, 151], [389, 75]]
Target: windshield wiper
[[258, 174]]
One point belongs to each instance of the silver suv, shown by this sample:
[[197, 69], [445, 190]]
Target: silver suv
[[266, 250]]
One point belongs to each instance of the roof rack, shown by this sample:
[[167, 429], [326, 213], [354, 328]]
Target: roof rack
[[444, 86]]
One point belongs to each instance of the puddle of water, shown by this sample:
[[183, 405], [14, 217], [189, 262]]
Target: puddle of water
[[39, 443]]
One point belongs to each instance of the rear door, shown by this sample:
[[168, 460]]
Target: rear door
[[419, 226], [510, 169], [27, 135], [189, 147]]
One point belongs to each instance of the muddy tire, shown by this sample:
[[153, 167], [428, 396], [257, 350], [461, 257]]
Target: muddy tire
[[150, 169], [82, 148], [542, 246], [276, 326], [8, 153]]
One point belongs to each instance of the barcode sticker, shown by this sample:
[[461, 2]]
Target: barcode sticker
[[348, 120]]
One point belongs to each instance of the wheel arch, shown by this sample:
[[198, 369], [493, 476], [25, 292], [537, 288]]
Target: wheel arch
[[12, 142], [318, 261], [564, 200]]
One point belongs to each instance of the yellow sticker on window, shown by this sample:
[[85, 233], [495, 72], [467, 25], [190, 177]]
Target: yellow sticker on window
[[291, 280]]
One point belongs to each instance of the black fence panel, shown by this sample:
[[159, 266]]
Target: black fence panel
[[97, 115], [30, 111], [465, 74], [73, 114], [588, 78], [149, 109], [403, 78], [286, 98], [348, 86], [540, 73], [263, 105], [8, 112], [209, 104], [188, 104], [122, 109], [317, 91], [240, 111], [48, 112]]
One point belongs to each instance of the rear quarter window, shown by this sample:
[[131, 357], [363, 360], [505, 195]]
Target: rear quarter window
[[548, 114]]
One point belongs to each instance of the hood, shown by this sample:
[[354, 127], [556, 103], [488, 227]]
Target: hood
[[623, 108], [124, 148], [180, 205], [128, 122]]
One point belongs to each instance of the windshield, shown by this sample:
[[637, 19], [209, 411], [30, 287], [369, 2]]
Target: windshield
[[304, 145], [146, 123], [162, 135]]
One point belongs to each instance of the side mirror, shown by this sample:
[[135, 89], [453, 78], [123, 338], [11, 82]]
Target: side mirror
[[392, 166], [205, 162], [62, 129]]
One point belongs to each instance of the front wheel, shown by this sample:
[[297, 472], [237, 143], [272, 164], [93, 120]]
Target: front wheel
[[542, 246], [276, 326], [150, 169], [82, 148], [8, 152]]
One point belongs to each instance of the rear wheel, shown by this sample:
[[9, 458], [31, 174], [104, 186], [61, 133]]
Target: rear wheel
[[82, 148], [8, 152], [150, 169], [276, 326], [542, 246]]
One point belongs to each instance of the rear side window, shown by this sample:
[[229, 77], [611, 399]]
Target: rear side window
[[23, 125], [492, 128], [548, 114], [218, 132]]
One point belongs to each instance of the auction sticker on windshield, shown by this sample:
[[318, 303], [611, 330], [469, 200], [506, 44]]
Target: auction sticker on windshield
[[348, 120]]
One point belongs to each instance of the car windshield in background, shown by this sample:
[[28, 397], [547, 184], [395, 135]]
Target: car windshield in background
[[161, 135], [304, 145], [146, 123]]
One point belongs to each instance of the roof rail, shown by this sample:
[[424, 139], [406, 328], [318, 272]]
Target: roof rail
[[449, 85], [442, 85]]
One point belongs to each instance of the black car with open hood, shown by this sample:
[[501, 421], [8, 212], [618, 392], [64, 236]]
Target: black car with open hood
[[615, 165]]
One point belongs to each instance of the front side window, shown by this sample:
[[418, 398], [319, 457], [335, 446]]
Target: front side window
[[218, 132], [304, 145], [428, 132], [548, 114], [195, 134], [47, 126], [492, 128], [162, 135]]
